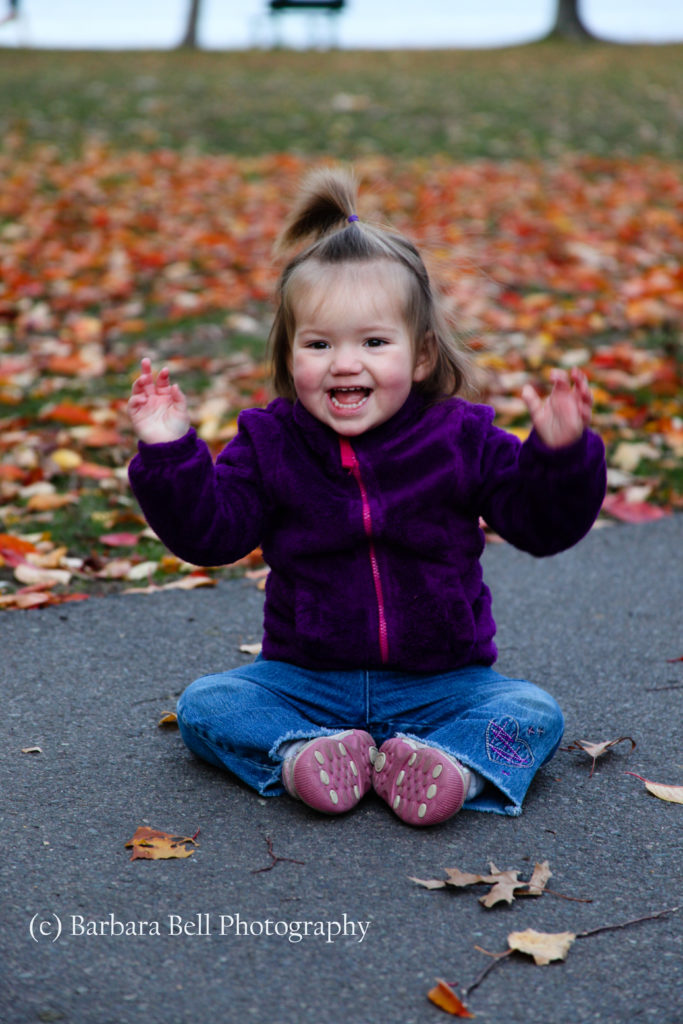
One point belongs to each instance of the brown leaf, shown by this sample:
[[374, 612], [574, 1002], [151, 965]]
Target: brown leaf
[[596, 750], [540, 877], [429, 883], [151, 844], [542, 946], [504, 885], [462, 878], [443, 996]]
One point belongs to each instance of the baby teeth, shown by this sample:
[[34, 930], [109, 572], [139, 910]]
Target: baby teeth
[[348, 405]]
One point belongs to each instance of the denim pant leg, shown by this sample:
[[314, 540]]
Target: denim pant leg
[[239, 719], [504, 729]]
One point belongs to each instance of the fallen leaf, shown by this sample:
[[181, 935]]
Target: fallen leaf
[[168, 718], [505, 883], [35, 576], [119, 540], [151, 844], [250, 648], [66, 459], [673, 794], [462, 878], [431, 883], [443, 996], [632, 511], [539, 879], [50, 502], [31, 750], [542, 946], [596, 750]]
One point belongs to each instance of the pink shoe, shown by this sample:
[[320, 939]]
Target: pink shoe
[[421, 784], [331, 773]]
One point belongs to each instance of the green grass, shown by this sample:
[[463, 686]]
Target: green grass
[[529, 102]]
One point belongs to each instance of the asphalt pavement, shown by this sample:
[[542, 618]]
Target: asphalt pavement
[[336, 930]]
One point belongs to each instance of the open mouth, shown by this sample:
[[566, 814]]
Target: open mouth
[[349, 398]]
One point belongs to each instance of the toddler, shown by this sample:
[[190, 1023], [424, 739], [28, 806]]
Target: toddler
[[364, 483]]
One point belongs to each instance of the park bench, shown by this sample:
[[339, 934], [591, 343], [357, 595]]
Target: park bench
[[330, 8]]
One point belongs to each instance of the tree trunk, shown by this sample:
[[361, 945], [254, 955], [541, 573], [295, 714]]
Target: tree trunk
[[189, 40], [568, 22]]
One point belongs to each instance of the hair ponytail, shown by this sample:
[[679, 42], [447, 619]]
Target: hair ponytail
[[326, 200]]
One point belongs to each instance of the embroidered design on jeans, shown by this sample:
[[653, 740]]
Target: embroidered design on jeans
[[504, 746]]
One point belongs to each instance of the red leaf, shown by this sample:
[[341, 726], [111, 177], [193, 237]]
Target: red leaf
[[632, 511]]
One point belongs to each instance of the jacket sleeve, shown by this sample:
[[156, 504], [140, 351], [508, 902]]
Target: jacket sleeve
[[206, 513], [543, 500]]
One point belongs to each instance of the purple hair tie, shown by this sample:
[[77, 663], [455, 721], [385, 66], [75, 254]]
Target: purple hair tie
[[352, 218]]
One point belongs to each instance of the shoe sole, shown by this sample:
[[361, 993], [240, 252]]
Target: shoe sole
[[421, 784], [332, 773]]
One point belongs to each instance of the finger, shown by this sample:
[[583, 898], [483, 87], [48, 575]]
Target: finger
[[531, 399], [163, 380], [558, 376]]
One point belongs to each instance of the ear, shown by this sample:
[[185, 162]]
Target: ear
[[426, 357]]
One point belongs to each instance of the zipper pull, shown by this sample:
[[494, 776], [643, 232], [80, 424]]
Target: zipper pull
[[348, 456]]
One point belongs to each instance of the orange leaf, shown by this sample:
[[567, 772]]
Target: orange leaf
[[50, 502], [443, 996], [68, 412], [151, 844], [168, 718], [10, 543]]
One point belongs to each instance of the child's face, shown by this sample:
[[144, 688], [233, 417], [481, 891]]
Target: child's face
[[353, 359]]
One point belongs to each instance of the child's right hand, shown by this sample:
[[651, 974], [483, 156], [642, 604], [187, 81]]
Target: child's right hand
[[157, 408]]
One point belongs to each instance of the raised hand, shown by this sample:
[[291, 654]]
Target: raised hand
[[562, 417], [157, 408]]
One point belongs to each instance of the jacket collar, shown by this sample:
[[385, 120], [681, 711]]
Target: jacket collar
[[324, 440]]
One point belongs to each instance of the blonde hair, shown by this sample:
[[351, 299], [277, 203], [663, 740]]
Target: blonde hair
[[326, 210]]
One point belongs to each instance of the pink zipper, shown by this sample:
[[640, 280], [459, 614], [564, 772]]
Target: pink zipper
[[350, 461]]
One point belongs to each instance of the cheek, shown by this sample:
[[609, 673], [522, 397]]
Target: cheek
[[305, 373]]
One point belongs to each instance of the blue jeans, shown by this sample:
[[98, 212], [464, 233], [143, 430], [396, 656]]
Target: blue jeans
[[505, 729]]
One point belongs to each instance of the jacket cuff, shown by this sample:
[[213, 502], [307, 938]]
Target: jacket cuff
[[569, 455], [169, 451]]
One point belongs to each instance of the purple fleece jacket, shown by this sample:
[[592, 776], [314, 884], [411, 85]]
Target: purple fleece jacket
[[397, 543]]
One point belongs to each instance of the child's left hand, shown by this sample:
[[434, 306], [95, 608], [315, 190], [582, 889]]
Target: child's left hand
[[562, 418]]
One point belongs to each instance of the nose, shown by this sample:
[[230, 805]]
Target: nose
[[345, 360]]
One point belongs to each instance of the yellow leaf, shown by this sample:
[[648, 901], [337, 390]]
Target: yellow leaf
[[168, 718], [674, 794], [66, 459], [542, 946]]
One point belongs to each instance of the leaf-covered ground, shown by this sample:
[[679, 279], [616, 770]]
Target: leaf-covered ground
[[110, 250]]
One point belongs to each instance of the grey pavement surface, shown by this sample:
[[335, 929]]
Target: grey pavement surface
[[88, 682]]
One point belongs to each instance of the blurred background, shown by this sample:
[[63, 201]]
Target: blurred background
[[363, 23]]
